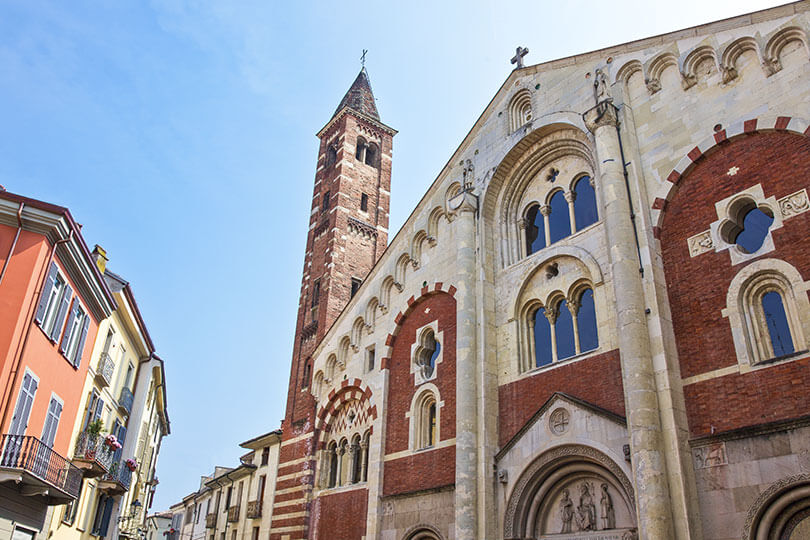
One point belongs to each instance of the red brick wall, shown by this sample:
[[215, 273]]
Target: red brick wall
[[697, 286], [429, 468], [597, 380], [340, 515], [423, 470]]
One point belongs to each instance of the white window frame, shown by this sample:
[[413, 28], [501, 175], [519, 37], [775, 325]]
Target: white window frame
[[74, 333], [416, 348], [54, 397]]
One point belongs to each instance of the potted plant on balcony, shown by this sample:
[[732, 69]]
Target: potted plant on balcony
[[132, 464], [112, 442], [93, 430]]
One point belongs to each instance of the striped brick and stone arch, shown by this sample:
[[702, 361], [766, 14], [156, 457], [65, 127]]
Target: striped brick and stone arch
[[344, 426], [426, 291], [669, 187]]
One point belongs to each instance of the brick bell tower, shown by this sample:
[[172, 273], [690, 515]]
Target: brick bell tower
[[348, 231]]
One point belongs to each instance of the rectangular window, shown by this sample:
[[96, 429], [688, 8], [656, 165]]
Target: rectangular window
[[22, 411], [53, 304], [128, 378], [370, 359], [239, 493], [233, 534], [364, 202], [316, 292], [255, 533], [228, 497], [219, 497], [325, 202], [355, 286], [262, 484], [265, 455], [75, 334], [51, 421], [72, 508]]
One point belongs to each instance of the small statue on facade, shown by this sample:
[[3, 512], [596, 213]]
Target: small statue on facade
[[600, 86], [606, 505], [566, 512]]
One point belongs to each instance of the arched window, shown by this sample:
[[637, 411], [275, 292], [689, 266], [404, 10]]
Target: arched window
[[333, 465], [564, 331], [372, 153], [520, 110], [431, 425], [331, 154], [307, 373], [559, 218], [425, 418], [428, 353], [360, 150], [542, 337], [585, 213], [343, 463], [535, 230], [586, 322], [773, 311]]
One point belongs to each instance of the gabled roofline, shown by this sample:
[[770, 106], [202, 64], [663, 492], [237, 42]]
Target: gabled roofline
[[272, 437], [556, 396]]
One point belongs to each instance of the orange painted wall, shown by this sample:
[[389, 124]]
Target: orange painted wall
[[18, 300]]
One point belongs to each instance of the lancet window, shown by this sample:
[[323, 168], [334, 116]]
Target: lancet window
[[565, 327]]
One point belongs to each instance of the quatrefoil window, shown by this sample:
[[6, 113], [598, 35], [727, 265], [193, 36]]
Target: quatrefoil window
[[747, 225]]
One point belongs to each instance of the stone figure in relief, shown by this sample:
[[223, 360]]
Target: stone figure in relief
[[586, 511], [606, 505], [600, 86], [566, 512]]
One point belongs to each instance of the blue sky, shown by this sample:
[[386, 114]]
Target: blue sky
[[180, 133]]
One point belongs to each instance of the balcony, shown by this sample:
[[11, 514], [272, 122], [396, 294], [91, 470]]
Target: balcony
[[233, 514], [211, 520], [104, 370], [92, 455], [117, 480], [254, 509], [39, 470], [125, 401]]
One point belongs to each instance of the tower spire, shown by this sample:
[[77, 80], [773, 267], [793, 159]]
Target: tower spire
[[360, 98]]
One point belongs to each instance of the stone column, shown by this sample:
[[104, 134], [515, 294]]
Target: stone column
[[545, 210], [641, 400], [570, 197], [364, 462], [465, 206]]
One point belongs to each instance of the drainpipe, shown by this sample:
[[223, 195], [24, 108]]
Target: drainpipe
[[14, 243], [15, 370]]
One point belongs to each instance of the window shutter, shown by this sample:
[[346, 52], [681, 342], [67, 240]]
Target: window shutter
[[60, 314], [77, 359], [66, 335], [105, 519], [99, 409], [21, 413], [46, 293]]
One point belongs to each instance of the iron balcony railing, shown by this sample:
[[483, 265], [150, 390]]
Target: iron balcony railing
[[210, 521], [254, 509], [104, 370], [120, 474], [125, 401], [91, 448], [38, 459], [233, 514]]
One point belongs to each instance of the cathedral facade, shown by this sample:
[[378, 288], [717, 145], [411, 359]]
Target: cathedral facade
[[595, 324]]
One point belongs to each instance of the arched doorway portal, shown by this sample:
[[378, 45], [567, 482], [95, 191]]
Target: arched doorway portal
[[570, 490]]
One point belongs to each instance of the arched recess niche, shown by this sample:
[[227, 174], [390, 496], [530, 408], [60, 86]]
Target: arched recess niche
[[537, 506]]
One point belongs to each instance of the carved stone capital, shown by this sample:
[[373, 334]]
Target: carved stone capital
[[551, 315], [653, 85], [688, 81], [570, 196], [771, 66], [431, 240], [545, 210], [523, 224], [604, 114], [729, 73], [573, 306]]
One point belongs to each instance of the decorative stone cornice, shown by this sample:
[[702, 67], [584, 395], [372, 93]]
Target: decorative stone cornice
[[604, 114]]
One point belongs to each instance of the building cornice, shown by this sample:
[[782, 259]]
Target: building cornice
[[365, 118], [56, 223]]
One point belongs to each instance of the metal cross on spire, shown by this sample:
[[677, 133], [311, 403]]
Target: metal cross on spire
[[520, 52], [363, 59]]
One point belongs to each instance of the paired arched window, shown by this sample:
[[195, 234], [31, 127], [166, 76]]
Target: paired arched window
[[331, 154], [366, 152], [563, 214], [564, 328]]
